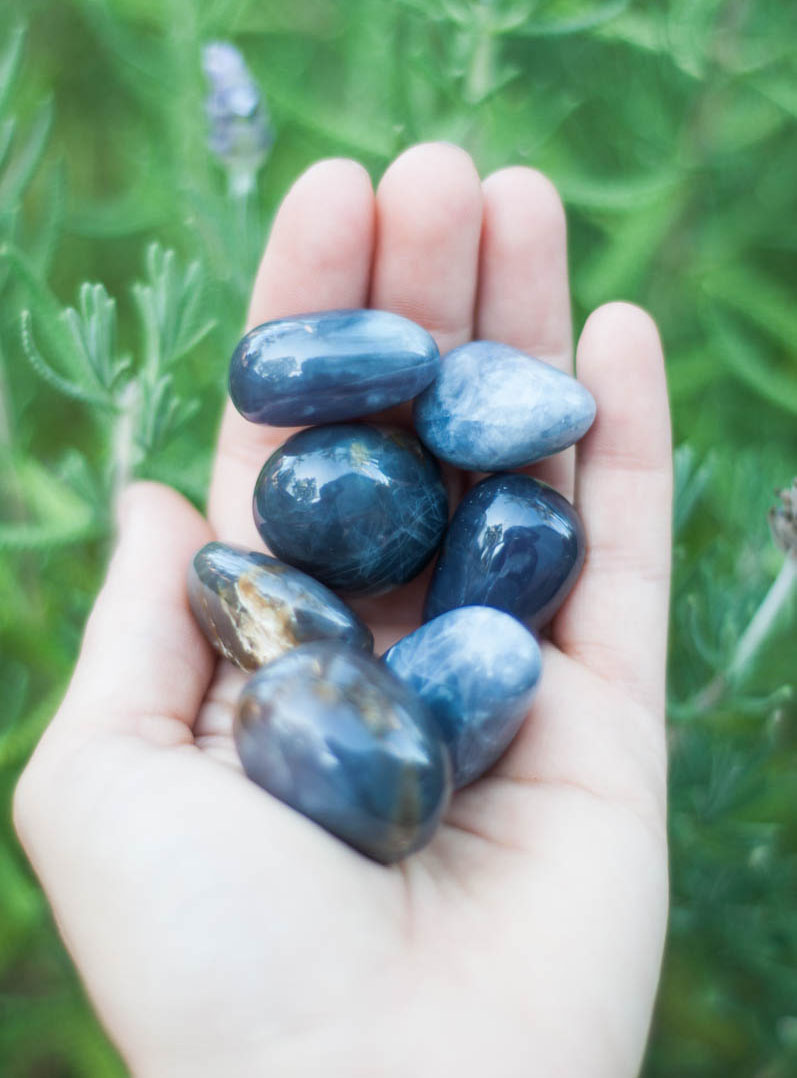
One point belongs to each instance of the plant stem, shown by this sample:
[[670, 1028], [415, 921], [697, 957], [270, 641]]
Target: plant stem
[[753, 637], [123, 442], [764, 618]]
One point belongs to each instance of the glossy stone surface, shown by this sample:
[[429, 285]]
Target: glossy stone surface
[[253, 608], [334, 735], [333, 365], [476, 669], [494, 407], [515, 544], [361, 508]]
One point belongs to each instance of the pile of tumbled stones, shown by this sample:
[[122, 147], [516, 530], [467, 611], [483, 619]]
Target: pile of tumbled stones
[[371, 748]]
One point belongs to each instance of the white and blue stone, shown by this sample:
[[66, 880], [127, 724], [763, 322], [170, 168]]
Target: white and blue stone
[[330, 366], [360, 507], [336, 736], [253, 608], [493, 408], [515, 544], [476, 669]]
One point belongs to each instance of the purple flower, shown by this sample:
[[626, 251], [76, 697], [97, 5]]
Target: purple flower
[[240, 132]]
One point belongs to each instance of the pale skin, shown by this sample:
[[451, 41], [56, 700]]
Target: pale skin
[[220, 933]]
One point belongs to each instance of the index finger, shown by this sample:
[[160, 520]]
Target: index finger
[[318, 257]]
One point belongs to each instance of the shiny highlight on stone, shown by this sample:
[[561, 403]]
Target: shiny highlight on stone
[[330, 366], [514, 544], [360, 507]]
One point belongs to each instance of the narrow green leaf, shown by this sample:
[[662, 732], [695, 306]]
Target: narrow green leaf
[[691, 481], [340, 131], [594, 15], [747, 364], [611, 193], [41, 247], [759, 298], [22, 164], [644, 30], [619, 268], [39, 510], [52, 378], [9, 64], [6, 137]]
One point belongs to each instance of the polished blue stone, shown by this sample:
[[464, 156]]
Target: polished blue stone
[[476, 669], [361, 508], [334, 735], [515, 544], [333, 365], [252, 608], [493, 408]]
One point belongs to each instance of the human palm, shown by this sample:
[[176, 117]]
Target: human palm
[[219, 932]]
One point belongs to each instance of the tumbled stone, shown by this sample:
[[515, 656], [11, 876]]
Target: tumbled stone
[[476, 669], [253, 608], [334, 735], [361, 508], [515, 544], [328, 366], [493, 407]]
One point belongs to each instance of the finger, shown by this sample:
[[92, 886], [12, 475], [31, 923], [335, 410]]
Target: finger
[[429, 219], [524, 295], [144, 665], [581, 737], [616, 618], [318, 258]]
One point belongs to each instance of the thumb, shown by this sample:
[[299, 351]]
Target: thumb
[[144, 666]]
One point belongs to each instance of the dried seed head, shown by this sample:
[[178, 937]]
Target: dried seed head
[[783, 519]]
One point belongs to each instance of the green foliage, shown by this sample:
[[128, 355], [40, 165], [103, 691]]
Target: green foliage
[[671, 131]]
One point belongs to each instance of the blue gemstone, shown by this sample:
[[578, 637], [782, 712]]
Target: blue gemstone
[[476, 669], [359, 507], [514, 544], [333, 365], [334, 735], [253, 608], [494, 408]]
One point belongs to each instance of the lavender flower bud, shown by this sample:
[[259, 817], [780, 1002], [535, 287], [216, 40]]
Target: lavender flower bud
[[240, 132]]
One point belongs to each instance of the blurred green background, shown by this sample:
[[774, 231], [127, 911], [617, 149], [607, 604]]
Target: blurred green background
[[670, 129]]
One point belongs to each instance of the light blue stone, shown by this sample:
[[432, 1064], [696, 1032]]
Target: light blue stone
[[329, 366], [493, 408], [476, 669]]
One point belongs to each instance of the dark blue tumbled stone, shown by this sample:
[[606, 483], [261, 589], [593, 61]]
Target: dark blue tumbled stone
[[493, 407], [253, 608], [476, 669], [515, 544], [361, 508], [333, 365], [334, 735]]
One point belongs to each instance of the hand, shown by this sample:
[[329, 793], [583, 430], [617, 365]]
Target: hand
[[220, 933]]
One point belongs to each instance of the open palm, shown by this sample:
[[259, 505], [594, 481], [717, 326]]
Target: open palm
[[217, 931]]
